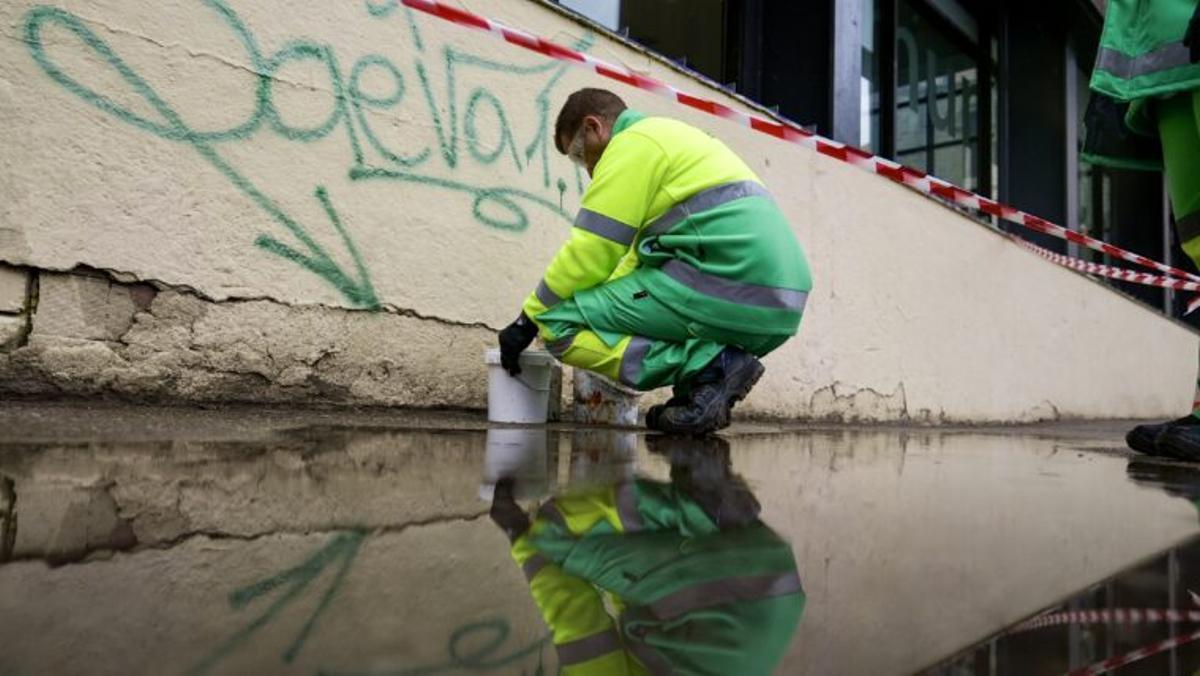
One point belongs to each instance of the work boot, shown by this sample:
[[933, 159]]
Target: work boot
[[655, 411], [1181, 442], [1146, 438], [701, 469], [726, 380]]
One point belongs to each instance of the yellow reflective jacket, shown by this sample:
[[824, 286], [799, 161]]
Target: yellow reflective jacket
[[669, 197]]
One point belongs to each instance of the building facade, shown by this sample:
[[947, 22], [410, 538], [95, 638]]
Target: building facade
[[987, 95], [341, 203]]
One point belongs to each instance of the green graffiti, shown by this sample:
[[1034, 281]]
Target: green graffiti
[[493, 633], [173, 128], [481, 95], [483, 196], [385, 9], [352, 103], [382, 9], [362, 101], [342, 550], [363, 293]]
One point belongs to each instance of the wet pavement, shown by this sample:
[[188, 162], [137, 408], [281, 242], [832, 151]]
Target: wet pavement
[[139, 540]]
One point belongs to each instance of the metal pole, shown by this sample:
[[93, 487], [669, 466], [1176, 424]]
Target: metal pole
[[1071, 82], [846, 62]]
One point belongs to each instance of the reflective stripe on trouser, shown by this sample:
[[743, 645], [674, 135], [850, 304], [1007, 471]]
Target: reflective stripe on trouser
[[584, 634], [1179, 130], [636, 361], [622, 332]]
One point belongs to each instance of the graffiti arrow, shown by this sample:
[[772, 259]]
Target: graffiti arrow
[[358, 291], [344, 548]]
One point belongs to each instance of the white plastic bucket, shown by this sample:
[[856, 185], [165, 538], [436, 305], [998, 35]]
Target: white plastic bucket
[[521, 453], [526, 397], [600, 401]]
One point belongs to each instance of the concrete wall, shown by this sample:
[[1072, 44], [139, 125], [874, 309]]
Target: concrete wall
[[341, 202]]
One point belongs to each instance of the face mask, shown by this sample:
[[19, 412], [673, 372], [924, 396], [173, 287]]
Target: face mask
[[575, 150]]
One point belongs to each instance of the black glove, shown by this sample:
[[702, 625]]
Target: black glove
[[513, 341], [506, 513], [1191, 38]]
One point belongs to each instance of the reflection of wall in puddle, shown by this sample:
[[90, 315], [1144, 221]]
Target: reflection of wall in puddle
[[317, 481], [273, 506], [918, 550], [269, 508], [921, 550], [401, 602]]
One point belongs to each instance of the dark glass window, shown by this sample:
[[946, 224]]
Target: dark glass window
[[697, 34], [937, 105], [927, 95]]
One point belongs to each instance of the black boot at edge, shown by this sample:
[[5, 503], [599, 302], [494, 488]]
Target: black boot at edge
[[1148, 438]]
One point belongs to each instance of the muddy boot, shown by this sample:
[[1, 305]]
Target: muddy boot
[[655, 411], [1181, 442], [701, 469], [726, 380], [1146, 438]]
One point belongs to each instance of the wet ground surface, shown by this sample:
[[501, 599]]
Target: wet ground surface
[[154, 540]]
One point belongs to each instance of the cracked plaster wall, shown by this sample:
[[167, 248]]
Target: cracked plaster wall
[[342, 202]]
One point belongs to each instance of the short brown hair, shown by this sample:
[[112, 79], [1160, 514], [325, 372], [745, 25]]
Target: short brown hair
[[588, 101]]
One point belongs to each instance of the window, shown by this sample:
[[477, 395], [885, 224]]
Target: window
[[693, 33], [928, 100], [607, 13]]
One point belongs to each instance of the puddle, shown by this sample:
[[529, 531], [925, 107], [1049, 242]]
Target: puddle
[[1143, 620], [144, 540]]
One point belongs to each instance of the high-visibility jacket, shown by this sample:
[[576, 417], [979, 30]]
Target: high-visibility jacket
[[667, 196], [1142, 55], [688, 597]]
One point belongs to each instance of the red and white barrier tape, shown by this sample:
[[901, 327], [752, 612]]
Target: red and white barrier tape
[[1105, 615], [1135, 655], [1101, 270], [917, 180]]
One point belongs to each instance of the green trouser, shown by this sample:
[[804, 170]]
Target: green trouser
[[618, 329], [1179, 130]]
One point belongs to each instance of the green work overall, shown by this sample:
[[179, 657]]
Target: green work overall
[[678, 251], [685, 597], [1143, 62]]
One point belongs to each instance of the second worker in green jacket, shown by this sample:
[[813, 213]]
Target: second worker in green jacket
[[680, 268], [1145, 114]]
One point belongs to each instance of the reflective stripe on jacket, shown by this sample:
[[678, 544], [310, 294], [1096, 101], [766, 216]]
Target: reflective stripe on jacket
[[1142, 55], [685, 205], [689, 598]]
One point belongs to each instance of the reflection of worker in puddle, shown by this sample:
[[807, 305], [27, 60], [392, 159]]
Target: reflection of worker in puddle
[[680, 269], [652, 577]]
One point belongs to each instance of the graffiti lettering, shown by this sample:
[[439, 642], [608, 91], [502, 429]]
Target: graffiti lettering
[[485, 130]]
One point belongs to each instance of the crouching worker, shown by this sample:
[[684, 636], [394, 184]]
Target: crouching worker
[[647, 577], [680, 269]]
